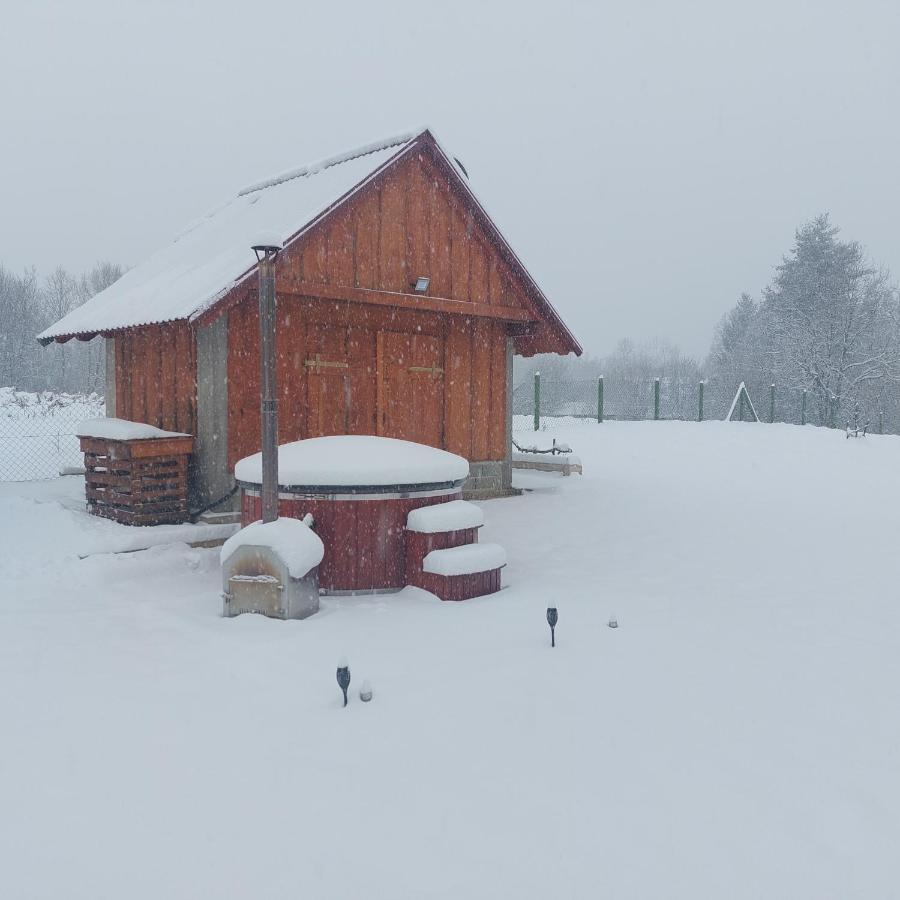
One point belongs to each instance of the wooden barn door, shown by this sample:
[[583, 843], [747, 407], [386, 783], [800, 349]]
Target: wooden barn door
[[340, 383], [411, 387]]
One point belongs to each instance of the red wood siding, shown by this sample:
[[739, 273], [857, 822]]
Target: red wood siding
[[407, 223], [333, 379], [156, 375], [364, 540], [344, 366]]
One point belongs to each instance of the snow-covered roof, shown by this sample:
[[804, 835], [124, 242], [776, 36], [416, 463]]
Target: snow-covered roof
[[212, 254], [356, 460]]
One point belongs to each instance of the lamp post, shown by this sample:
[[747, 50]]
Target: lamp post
[[266, 251], [552, 619], [343, 678]]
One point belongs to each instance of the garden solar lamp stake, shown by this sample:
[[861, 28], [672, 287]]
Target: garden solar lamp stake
[[552, 619], [266, 250], [343, 677]]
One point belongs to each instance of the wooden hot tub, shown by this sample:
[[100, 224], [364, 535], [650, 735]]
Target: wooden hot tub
[[359, 489]]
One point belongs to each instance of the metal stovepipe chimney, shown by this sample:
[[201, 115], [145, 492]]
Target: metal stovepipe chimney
[[265, 254]]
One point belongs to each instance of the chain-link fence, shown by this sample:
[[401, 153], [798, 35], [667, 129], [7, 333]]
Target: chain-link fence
[[541, 401], [37, 432]]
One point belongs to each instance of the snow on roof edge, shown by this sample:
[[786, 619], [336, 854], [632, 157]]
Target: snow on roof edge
[[204, 307], [329, 161]]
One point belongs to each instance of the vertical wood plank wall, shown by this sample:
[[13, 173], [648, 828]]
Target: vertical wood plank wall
[[317, 400], [156, 376], [410, 222], [405, 224]]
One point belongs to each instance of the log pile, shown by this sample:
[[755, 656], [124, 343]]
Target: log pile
[[137, 482]]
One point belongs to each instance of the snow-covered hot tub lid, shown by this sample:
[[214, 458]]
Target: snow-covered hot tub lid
[[357, 464]]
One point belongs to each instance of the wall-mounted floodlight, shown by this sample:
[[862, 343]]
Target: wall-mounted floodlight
[[421, 285]]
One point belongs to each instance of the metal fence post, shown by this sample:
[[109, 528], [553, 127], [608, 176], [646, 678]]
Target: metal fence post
[[803, 408], [771, 404], [656, 399], [537, 401], [881, 422], [700, 403], [600, 399], [831, 411]]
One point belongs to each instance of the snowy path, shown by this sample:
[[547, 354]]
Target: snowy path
[[736, 737]]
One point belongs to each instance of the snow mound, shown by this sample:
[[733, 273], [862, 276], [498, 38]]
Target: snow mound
[[452, 516], [355, 460], [465, 560], [123, 430], [300, 548]]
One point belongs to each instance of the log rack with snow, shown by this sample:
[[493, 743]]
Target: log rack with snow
[[367, 495], [135, 474]]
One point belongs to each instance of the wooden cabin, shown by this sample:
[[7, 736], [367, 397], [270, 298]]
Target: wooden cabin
[[400, 306]]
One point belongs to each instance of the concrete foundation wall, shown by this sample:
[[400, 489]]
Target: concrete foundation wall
[[210, 478], [486, 477]]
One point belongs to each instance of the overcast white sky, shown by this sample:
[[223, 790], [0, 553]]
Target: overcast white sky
[[648, 161]]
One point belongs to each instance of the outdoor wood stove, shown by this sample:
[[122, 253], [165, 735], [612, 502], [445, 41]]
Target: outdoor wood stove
[[271, 568]]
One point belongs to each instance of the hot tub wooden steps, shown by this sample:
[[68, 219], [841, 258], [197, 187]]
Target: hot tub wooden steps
[[443, 554], [463, 572], [419, 545], [437, 527]]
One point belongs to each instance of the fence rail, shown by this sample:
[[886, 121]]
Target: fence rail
[[666, 397], [37, 432]]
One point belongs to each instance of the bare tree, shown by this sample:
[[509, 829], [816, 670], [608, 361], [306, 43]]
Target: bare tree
[[27, 306]]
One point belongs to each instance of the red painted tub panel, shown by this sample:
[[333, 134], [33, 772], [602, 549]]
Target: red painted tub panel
[[365, 540]]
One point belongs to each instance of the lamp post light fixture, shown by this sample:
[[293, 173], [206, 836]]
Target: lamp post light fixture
[[552, 619], [266, 250], [613, 621], [343, 678]]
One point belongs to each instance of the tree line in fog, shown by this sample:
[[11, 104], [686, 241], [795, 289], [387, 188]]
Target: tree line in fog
[[30, 303], [827, 327]]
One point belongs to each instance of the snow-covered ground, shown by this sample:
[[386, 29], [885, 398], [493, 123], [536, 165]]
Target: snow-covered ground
[[737, 736]]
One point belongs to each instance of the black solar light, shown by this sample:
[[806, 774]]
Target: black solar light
[[613, 621], [343, 678], [552, 619]]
